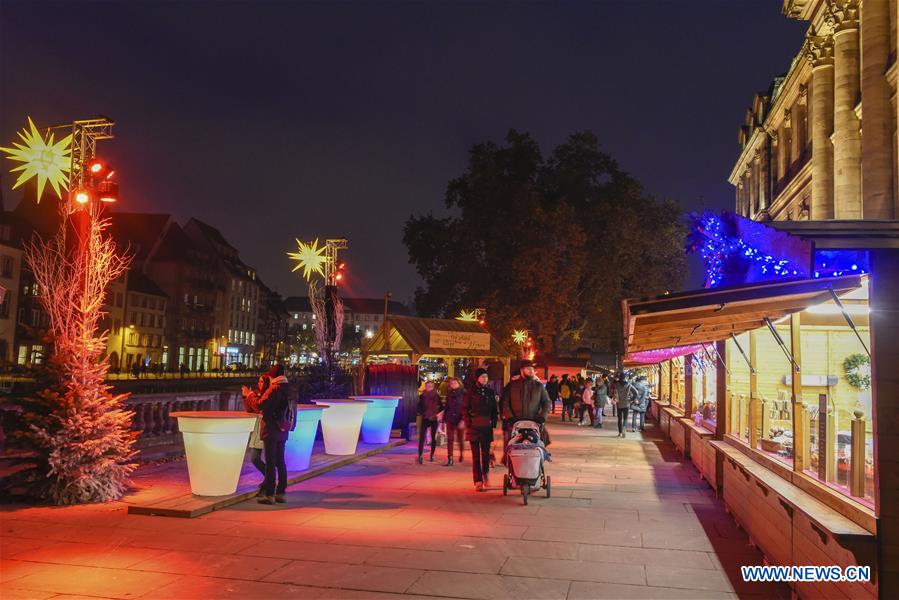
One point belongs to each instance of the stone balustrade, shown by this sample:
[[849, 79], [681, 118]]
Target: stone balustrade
[[152, 413]]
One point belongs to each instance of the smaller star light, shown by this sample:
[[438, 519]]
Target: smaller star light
[[310, 258], [45, 159], [467, 315], [520, 336]]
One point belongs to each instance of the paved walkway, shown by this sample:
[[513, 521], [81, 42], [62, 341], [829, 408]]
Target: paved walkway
[[627, 520]]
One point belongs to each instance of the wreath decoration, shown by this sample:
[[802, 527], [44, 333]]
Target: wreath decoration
[[858, 371]]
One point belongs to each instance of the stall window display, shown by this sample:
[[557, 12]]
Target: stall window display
[[677, 382], [836, 393], [738, 386], [773, 407], [705, 406]]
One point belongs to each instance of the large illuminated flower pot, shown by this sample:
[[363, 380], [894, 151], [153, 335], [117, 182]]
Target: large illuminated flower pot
[[298, 451], [215, 442], [378, 419], [341, 424]]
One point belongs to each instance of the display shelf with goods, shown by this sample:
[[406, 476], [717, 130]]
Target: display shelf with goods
[[836, 388]]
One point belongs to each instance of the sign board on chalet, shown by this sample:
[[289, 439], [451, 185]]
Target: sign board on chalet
[[459, 340]]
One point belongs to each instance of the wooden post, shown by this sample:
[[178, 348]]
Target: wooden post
[[743, 418], [688, 386], [857, 458], [754, 408], [830, 446], [800, 415]]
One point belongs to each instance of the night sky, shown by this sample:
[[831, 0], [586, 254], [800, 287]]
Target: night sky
[[276, 120]]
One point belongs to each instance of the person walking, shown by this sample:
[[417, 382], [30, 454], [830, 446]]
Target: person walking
[[552, 388], [429, 406], [622, 400], [600, 399], [523, 399], [566, 393], [639, 404], [274, 433], [452, 419], [251, 400], [480, 415], [587, 403]]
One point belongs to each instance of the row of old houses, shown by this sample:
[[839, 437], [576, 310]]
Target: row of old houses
[[187, 303]]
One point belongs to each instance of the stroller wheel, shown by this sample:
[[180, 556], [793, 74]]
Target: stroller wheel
[[506, 484], [548, 484], [525, 492]]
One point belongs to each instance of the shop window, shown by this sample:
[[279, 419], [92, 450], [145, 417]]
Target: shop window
[[772, 412], [678, 392], [738, 387], [704, 391], [836, 390]]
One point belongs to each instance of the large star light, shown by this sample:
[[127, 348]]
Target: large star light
[[520, 336], [467, 315], [310, 258], [45, 159]]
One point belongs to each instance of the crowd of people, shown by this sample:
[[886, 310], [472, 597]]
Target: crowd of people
[[468, 412], [585, 399], [473, 411]]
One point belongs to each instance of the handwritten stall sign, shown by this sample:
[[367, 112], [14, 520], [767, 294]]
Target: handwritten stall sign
[[459, 340]]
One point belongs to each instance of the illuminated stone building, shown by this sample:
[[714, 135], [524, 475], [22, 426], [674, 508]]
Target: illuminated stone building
[[820, 143]]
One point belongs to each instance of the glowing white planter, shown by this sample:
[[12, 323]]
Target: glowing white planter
[[378, 419], [298, 451], [341, 424], [215, 442]]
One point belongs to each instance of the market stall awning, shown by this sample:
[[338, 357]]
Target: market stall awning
[[709, 315], [419, 337]]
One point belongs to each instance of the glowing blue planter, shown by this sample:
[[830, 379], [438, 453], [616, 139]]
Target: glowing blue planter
[[378, 420], [298, 451], [341, 424]]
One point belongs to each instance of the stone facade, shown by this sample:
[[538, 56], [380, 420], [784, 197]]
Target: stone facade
[[821, 142]]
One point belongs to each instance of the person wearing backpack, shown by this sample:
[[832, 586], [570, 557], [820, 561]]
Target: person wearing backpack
[[565, 392], [276, 424]]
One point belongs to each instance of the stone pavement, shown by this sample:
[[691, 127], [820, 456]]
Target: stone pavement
[[627, 519]]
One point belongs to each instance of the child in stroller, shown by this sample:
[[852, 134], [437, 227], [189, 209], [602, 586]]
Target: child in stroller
[[524, 458]]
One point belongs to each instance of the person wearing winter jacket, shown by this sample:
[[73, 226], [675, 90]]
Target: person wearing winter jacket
[[480, 415], [429, 406], [274, 435], [552, 388], [251, 400], [639, 404], [601, 398], [623, 397], [453, 421], [566, 393], [523, 399]]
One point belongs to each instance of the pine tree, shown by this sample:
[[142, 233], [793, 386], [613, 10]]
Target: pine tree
[[85, 435]]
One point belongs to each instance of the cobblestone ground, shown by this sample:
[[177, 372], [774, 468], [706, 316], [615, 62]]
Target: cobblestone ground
[[626, 519]]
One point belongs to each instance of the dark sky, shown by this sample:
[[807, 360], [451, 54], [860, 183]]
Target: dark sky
[[276, 120]]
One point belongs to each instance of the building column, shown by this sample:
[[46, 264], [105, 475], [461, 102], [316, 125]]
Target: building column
[[877, 141], [761, 179], [819, 51], [847, 137]]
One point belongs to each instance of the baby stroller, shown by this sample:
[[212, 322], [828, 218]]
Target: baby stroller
[[524, 459]]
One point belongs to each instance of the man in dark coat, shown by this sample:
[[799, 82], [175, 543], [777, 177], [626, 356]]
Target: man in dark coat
[[552, 388], [523, 399]]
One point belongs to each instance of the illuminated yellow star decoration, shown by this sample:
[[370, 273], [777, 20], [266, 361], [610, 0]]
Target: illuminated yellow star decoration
[[310, 258], [520, 336], [41, 158], [467, 315]]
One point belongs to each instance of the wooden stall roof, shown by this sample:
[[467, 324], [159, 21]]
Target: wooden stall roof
[[411, 336], [709, 315]]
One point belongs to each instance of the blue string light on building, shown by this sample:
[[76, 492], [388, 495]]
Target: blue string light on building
[[731, 259]]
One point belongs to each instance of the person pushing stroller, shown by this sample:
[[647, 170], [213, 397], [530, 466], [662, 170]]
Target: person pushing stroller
[[524, 399]]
